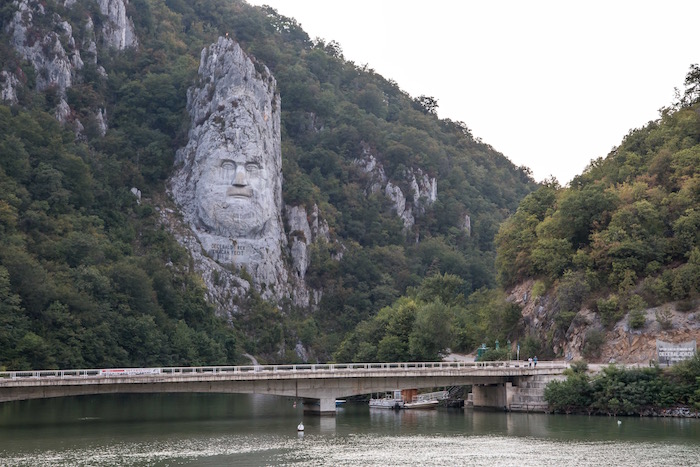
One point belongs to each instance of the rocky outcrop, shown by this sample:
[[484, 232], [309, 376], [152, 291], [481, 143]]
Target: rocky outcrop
[[55, 54], [228, 182], [303, 230], [467, 224], [228, 186], [117, 29], [8, 87], [423, 189], [377, 178], [55, 65], [621, 344]]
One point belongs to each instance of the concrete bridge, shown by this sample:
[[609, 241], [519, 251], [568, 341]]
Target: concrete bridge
[[318, 385]]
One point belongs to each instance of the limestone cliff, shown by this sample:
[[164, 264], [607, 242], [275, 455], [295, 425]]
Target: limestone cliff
[[55, 65], [118, 29], [422, 190], [228, 181], [55, 52]]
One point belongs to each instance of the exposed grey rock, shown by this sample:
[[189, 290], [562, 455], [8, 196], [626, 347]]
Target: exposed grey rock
[[467, 225], [89, 42], [423, 188], [299, 237], [118, 29], [101, 119], [136, 192], [395, 194], [319, 227], [369, 165], [301, 352], [223, 286], [62, 112], [228, 183], [54, 65], [8, 87]]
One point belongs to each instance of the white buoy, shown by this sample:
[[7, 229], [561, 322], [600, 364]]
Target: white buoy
[[300, 426]]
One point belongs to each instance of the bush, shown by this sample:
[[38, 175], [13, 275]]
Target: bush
[[685, 305], [572, 290], [609, 310], [564, 319], [538, 289], [592, 345], [637, 319], [654, 290], [531, 346]]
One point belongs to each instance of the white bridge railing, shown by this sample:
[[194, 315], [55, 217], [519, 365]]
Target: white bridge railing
[[330, 368]]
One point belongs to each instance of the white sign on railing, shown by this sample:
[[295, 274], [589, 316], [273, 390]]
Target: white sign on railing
[[129, 371]]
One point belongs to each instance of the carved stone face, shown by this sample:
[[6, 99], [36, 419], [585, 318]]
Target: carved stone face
[[235, 191]]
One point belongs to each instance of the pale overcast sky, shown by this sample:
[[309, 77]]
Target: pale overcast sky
[[550, 84]]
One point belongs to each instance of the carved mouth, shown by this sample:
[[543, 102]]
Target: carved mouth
[[239, 192]]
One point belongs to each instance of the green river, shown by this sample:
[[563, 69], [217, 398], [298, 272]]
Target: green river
[[222, 430]]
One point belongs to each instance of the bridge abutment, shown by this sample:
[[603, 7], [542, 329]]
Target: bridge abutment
[[524, 394]]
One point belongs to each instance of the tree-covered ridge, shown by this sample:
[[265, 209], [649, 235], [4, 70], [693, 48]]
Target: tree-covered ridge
[[431, 320], [626, 233], [90, 278]]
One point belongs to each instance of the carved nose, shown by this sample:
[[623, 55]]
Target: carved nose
[[240, 178]]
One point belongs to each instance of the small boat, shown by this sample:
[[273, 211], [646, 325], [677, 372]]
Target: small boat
[[424, 404], [300, 426], [428, 400], [389, 401], [339, 402]]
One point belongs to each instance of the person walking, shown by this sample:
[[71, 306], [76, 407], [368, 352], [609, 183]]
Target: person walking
[[529, 362], [534, 360]]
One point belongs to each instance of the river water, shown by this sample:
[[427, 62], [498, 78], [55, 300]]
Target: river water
[[222, 430]]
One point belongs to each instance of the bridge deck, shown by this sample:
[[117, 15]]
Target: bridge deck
[[258, 372], [323, 382]]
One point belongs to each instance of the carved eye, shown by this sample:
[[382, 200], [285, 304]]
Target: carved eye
[[252, 168], [228, 165]]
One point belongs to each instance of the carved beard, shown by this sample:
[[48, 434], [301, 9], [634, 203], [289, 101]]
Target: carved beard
[[234, 220]]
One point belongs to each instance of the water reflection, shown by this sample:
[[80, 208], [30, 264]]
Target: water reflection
[[207, 429]]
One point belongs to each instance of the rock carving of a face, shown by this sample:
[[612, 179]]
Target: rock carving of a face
[[235, 192]]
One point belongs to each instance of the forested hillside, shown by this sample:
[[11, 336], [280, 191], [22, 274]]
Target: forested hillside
[[623, 237], [88, 275]]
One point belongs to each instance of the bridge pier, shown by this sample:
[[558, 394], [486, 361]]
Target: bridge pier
[[323, 406], [494, 396]]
